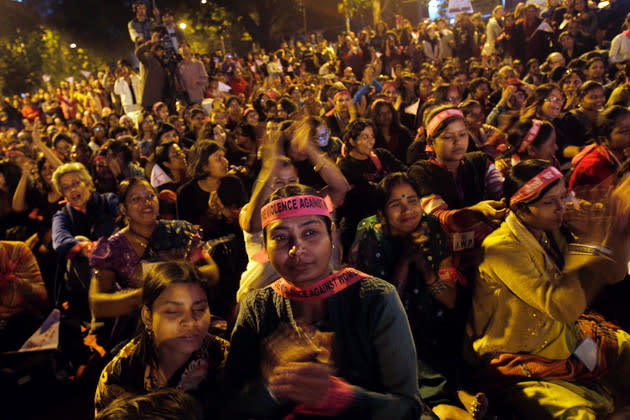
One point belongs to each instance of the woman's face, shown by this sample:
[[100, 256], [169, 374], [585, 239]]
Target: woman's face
[[299, 249], [217, 166], [168, 137], [547, 150], [619, 139], [475, 117], [147, 125], [402, 210], [552, 105], [176, 159], [218, 134], [252, 118], [162, 113], [391, 92], [234, 108], [47, 172], [593, 100], [572, 84], [284, 176], [179, 319], [364, 143], [595, 71], [384, 116], [452, 143], [74, 189], [141, 204], [63, 148], [548, 212]]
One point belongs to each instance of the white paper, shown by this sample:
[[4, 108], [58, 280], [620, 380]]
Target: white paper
[[587, 351], [46, 337]]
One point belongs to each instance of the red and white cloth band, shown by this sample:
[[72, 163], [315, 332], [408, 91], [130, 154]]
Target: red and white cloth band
[[536, 185], [301, 205], [439, 118]]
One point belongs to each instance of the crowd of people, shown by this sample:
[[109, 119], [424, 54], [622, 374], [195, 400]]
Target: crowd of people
[[417, 222]]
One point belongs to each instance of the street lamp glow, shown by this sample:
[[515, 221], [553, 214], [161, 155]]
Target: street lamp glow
[[73, 45], [182, 25], [204, 1]]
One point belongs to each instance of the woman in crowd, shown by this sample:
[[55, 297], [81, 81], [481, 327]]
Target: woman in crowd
[[206, 168], [390, 134], [460, 189], [363, 166], [529, 139], [544, 103], [86, 217], [570, 83], [597, 164], [146, 134], [409, 249], [529, 341], [483, 137], [319, 342], [577, 127], [174, 349], [279, 171], [171, 169], [120, 261]]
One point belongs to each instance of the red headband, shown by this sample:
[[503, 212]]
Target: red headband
[[530, 136], [439, 118], [342, 93], [301, 205], [536, 185]]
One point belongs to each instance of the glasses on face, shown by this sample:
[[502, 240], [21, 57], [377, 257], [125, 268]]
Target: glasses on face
[[554, 99], [366, 136], [71, 186]]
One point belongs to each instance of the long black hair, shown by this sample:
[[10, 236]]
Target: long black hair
[[156, 281]]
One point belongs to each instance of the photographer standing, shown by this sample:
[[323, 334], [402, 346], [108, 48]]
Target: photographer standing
[[140, 26], [159, 77]]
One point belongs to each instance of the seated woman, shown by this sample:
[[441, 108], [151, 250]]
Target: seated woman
[[316, 342], [597, 164], [277, 172], [529, 139], [460, 189], [174, 349], [167, 175], [120, 261], [527, 335], [363, 166], [207, 166], [86, 217], [409, 249]]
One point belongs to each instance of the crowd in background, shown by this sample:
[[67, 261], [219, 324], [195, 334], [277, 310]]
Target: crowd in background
[[421, 138]]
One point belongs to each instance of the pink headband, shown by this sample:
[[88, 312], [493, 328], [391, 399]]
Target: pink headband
[[301, 205], [530, 136], [536, 185], [439, 118], [342, 93]]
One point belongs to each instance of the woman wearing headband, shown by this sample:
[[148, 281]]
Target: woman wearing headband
[[317, 342], [409, 249], [460, 189], [528, 339], [597, 164], [530, 139]]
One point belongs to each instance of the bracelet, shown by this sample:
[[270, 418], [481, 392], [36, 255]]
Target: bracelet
[[436, 287], [585, 249], [319, 165]]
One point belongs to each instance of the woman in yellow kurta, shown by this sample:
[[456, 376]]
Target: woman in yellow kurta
[[528, 338]]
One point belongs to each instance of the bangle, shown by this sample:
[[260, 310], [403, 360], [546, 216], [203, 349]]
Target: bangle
[[436, 287], [319, 165], [595, 250]]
